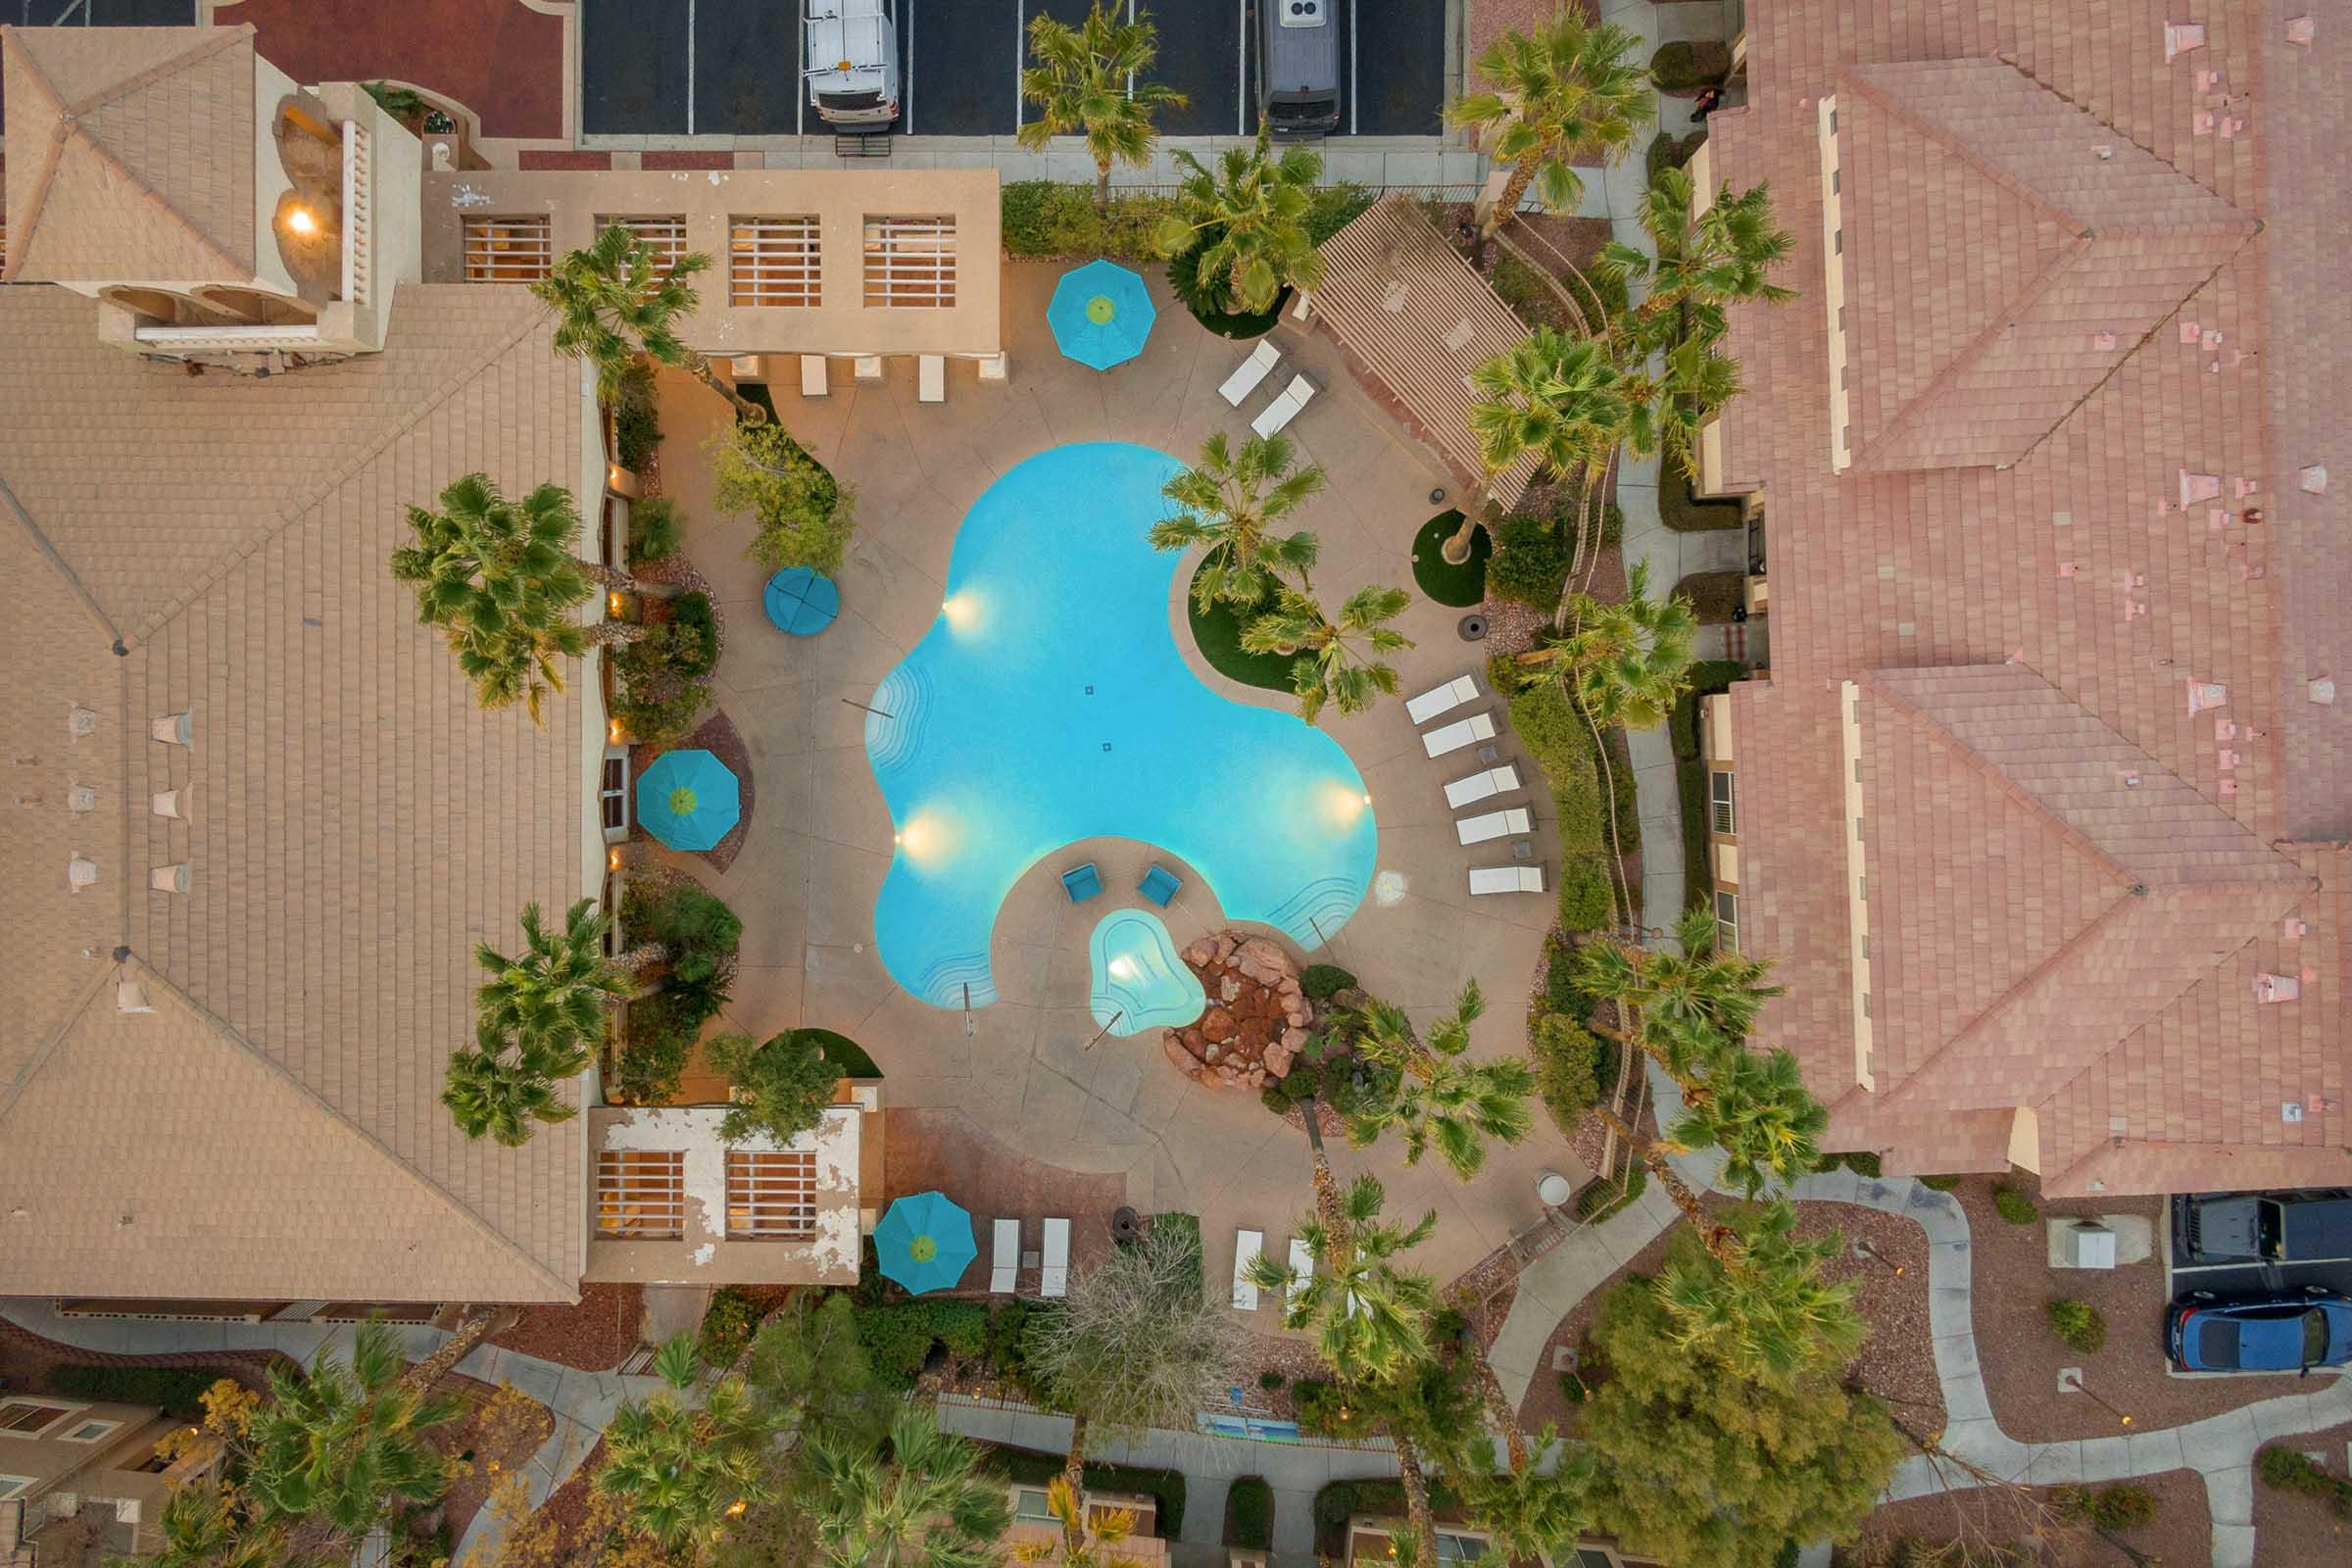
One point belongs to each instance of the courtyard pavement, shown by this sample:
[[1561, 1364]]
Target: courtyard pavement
[[820, 838]]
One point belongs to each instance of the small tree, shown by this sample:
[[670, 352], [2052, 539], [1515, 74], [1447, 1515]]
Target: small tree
[[1089, 81], [928, 1503], [557, 991], [1561, 400], [679, 1470], [785, 1084], [505, 1090], [802, 516], [1626, 663], [1232, 503], [620, 298], [1568, 87], [1427, 1091], [1370, 1314], [1248, 217], [1769, 1313], [1339, 663]]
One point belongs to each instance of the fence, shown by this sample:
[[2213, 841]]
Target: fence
[[1205, 1429]]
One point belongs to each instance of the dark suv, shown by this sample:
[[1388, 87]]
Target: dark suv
[[2309, 1227]]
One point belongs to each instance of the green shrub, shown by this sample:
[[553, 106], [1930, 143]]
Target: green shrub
[[2013, 1206], [1341, 1501], [1006, 1345], [176, 1390], [661, 1029], [663, 715], [2290, 1470], [1277, 1096], [2118, 1508], [1685, 64], [1323, 981], [1714, 594], [1567, 1058], [1249, 1514], [898, 1338], [1601, 1198], [1323, 1410], [1560, 992], [1333, 208], [1208, 298], [1271, 1381], [1941, 1183], [636, 427], [2078, 1323], [781, 1086], [1861, 1163], [1557, 736], [1572, 1387], [1044, 218], [653, 529], [1708, 676], [800, 514], [729, 1324], [1530, 565], [1585, 892], [1612, 525], [691, 612], [1165, 1487]]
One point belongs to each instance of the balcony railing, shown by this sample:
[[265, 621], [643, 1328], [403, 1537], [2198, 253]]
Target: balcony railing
[[358, 211]]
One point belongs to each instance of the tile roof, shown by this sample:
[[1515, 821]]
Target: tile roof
[[2081, 567], [358, 824], [2043, 235], [132, 154]]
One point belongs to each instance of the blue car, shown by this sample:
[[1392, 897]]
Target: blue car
[[2286, 1333]]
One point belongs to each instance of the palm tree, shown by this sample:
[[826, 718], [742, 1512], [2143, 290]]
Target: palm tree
[[333, 1453], [1625, 663], [679, 1472], [500, 579], [203, 1527], [619, 299], [1560, 399], [1232, 504], [1431, 1092], [1757, 1109], [1084, 82], [929, 1504], [1339, 663], [1719, 258], [489, 1092], [1668, 406], [1568, 86], [557, 991], [1683, 1007], [1768, 1313], [1080, 1544], [1251, 211], [1369, 1314], [1534, 1515]]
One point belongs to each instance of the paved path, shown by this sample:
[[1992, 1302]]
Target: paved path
[[582, 1401]]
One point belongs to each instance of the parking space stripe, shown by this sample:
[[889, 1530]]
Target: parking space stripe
[[800, 58], [1240, 92], [689, 68], [906, 71], [1356, 100], [1020, 52]]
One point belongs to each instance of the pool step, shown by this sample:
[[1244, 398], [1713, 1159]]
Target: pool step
[[1313, 915]]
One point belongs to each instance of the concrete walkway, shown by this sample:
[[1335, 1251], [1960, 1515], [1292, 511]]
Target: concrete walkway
[[580, 1402]]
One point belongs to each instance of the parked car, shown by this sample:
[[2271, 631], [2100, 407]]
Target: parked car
[[2265, 1227], [2285, 1332]]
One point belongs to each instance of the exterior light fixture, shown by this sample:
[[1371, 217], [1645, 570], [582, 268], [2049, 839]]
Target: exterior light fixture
[[612, 604], [302, 220], [612, 731], [613, 859]]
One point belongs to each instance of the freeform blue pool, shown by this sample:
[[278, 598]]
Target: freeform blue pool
[[1049, 704]]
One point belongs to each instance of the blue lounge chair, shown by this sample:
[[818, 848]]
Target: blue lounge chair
[[1159, 885], [1081, 884]]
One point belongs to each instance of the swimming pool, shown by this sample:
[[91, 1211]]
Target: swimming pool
[[1049, 704]]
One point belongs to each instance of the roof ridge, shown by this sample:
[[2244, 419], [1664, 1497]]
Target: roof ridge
[[229, 1035], [1960, 149], [49, 553], [309, 501], [27, 221], [73, 130], [30, 1067], [209, 41]]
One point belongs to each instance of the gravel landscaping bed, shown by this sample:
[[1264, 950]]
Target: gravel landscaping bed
[[2181, 1534], [495, 1437], [2292, 1528], [594, 1336], [2021, 1356]]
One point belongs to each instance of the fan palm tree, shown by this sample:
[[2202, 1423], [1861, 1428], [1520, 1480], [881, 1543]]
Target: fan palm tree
[[1767, 1312], [928, 1503], [203, 1527], [1683, 1007], [334, 1454], [1338, 661], [1232, 503], [1560, 399], [1249, 215], [679, 1472], [1080, 1544], [1625, 663], [620, 298], [556, 992], [1370, 1315], [1722, 256], [1534, 1515], [1671, 398], [1086, 80], [504, 1094], [1429, 1092], [1568, 86], [1758, 1111]]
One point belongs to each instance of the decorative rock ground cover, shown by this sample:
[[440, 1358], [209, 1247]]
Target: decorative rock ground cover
[[1257, 1018]]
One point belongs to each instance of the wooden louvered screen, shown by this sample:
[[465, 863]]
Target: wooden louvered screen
[[771, 1196], [666, 234], [774, 261], [641, 1194], [910, 263], [509, 250]]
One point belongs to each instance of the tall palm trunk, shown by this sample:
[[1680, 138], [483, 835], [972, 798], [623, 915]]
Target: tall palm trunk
[[1514, 189], [1103, 186], [1327, 1188], [606, 633], [1499, 1413], [614, 579], [1416, 1501], [1456, 549], [1719, 1238], [746, 412], [477, 1328], [1074, 1475]]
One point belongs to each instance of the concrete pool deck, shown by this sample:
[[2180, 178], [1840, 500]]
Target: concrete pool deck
[[813, 861]]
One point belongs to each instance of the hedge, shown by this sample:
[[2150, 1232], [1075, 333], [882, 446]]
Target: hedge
[[2292, 1470], [898, 1338], [1708, 677], [1530, 565], [1249, 1514], [1322, 981], [173, 1389], [1714, 594], [1600, 1198], [1562, 746], [1684, 512], [1047, 218], [1568, 1059], [1165, 1487], [1341, 1501], [1684, 64]]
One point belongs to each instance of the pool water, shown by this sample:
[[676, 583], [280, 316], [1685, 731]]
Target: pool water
[[1049, 704], [1139, 982]]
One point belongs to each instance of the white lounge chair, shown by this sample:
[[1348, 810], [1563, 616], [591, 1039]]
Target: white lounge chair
[[1302, 1269], [1247, 1245], [812, 375], [1004, 1256], [1493, 825], [1506, 879], [1253, 370], [1053, 1277], [1440, 698], [1458, 734], [1283, 409], [1482, 786], [931, 378]]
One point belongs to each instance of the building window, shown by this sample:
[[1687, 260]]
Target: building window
[[775, 262], [613, 793], [1834, 181], [771, 1196], [1452, 1548], [29, 1418], [11, 1486], [1719, 803], [1029, 1505], [1837, 241], [509, 250], [90, 1431], [910, 263], [641, 1194], [1726, 921], [666, 234]]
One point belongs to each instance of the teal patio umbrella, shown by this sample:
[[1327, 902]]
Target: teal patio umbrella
[[926, 1242], [688, 800], [1101, 313]]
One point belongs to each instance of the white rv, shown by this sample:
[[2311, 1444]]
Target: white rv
[[853, 64]]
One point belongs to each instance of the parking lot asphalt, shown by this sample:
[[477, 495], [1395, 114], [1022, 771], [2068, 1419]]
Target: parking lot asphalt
[[2229, 1281], [732, 66]]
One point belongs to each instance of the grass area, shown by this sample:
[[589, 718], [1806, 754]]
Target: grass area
[[1440, 579], [1217, 633], [1713, 595], [1707, 677], [1685, 513], [847, 1056]]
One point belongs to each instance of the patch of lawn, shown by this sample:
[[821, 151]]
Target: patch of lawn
[[1685, 513], [1440, 579], [845, 1054], [1217, 633]]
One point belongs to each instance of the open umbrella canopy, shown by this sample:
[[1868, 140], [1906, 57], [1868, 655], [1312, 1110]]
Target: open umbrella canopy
[[926, 1242], [688, 800], [1101, 313], [802, 602]]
